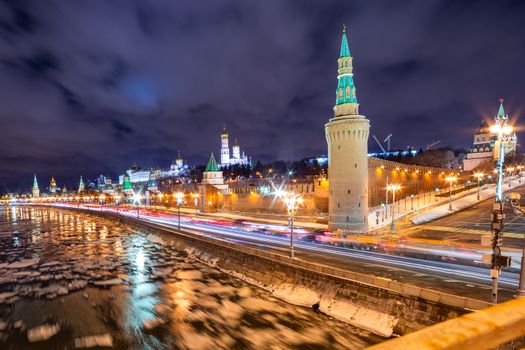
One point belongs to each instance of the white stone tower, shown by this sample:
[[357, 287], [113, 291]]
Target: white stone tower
[[35, 190], [347, 138], [81, 186], [179, 162], [225, 148]]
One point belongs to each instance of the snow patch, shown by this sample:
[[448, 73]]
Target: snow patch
[[371, 320], [297, 295]]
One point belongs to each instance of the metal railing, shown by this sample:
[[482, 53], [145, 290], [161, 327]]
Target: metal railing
[[484, 329]]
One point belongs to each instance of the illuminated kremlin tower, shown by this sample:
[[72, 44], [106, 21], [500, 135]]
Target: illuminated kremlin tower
[[237, 157], [35, 190], [225, 148], [347, 138], [81, 186], [53, 186]]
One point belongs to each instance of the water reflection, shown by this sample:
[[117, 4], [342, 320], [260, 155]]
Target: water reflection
[[94, 276]]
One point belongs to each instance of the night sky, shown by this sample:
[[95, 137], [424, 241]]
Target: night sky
[[87, 87]]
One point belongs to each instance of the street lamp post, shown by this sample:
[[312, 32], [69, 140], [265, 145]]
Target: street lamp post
[[195, 197], [450, 179], [178, 197], [386, 199], [159, 199], [117, 202], [137, 197], [292, 201], [510, 171], [503, 132], [412, 201], [101, 198], [479, 176], [393, 188]]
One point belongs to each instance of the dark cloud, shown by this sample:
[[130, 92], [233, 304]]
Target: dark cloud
[[87, 87]]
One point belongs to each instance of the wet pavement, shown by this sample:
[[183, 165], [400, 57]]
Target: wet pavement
[[71, 280]]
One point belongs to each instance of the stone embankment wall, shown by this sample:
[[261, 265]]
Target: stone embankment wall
[[379, 305]]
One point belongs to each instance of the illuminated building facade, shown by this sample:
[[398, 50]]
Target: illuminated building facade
[[483, 146], [53, 186]]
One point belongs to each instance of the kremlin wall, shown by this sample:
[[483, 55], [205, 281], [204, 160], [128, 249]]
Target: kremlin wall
[[256, 195]]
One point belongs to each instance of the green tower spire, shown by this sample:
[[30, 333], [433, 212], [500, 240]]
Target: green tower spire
[[36, 190], [345, 92], [35, 183], [212, 165], [345, 50], [81, 186], [126, 183], [501, 111]]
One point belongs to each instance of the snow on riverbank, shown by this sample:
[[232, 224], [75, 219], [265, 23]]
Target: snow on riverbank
[[361, 317]]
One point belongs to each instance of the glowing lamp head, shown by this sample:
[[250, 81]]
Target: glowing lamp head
[[280, 193], [499, 129], [451, 178], [478, 175], [137, 197], [178, 197], [393, 187]]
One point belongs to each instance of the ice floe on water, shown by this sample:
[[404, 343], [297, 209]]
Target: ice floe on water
[[101, 340], [79, 281], [42, 332]]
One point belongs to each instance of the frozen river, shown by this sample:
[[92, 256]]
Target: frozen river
[[71, 280]]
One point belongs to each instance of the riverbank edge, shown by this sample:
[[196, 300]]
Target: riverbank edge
[[379, 305]]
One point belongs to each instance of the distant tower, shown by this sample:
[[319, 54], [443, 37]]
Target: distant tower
[[236, 150], [213, 175], [347, 138], [510, 145], [152, 182], [179, 162], [127, 188], [64, 190], [81, 186], [53, 186], [36, 190], [225, 148]]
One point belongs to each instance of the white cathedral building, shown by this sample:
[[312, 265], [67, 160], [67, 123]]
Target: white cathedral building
[[237, 158]]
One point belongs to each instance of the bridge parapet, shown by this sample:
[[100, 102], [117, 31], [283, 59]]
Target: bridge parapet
[[484, 329]]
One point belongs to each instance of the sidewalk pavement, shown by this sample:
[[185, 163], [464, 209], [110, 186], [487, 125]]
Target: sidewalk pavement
[[438, 206], [461, 203]]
